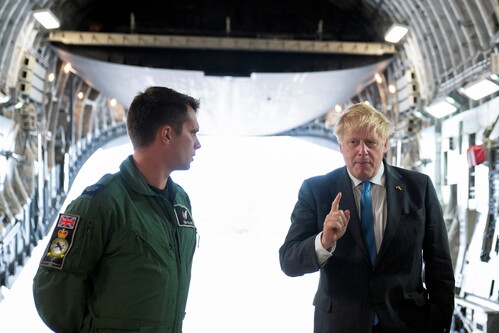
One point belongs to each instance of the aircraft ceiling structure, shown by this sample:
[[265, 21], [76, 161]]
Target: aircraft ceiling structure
[[448, 44], [261, 104], [242, 92]]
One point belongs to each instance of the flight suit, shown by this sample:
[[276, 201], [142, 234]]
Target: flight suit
[[119, 258]]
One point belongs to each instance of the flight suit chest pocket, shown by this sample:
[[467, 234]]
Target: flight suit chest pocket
[[153, 241]]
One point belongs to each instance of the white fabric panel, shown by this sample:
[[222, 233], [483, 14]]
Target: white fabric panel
[[262, 104]]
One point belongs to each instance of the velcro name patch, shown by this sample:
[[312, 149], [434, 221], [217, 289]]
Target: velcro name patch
[[184, 217]]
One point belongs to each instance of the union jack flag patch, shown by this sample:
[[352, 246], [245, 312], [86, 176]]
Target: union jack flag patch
[[67, 221]]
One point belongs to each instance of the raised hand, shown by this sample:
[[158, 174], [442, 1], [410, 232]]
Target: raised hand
[[335, 224]]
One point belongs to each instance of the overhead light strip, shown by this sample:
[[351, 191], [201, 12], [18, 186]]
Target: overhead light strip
[[396, 33], [47, 19], [442, 108], [480, 89]]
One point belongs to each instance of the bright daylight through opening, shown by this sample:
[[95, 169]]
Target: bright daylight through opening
[[243, 190]]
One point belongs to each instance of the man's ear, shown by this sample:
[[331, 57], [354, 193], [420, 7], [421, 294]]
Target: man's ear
[[165, 133], [385, 146]]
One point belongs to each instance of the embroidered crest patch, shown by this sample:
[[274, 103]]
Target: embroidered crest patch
[[184, 217], [61, 241]]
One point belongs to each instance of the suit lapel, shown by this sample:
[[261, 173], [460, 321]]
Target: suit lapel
[[348, 202], [395, 198]]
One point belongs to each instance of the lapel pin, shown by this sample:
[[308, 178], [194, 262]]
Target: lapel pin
[[398, 188]]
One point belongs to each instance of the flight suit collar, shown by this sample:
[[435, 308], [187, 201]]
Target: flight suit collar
[[137, 182]]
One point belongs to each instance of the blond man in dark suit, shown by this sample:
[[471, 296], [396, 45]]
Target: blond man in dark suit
[[376, 234]]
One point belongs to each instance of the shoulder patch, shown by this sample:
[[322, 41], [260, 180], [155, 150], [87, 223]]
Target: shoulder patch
[[93, 189], [184, 217], [99, 186], [61, 241]]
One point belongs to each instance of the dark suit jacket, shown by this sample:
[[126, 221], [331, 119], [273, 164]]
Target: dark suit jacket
[[415, 245]]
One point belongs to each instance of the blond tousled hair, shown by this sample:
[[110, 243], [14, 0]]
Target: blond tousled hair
[[364, 116]]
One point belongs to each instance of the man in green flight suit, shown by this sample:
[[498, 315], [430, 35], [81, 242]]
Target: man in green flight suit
[[120, 256]]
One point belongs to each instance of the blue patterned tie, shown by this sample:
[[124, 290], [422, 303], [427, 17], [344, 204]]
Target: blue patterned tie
[[367, 225], [367, 221]]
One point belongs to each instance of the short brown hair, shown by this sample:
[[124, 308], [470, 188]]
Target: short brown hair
[[153, 108]]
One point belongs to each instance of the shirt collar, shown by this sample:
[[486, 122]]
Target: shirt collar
[[378, 179]]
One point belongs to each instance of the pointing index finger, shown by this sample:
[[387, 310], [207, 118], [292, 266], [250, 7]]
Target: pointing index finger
[[336, 203]]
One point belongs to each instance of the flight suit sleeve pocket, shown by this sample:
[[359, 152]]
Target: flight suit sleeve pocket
[[67, 248]]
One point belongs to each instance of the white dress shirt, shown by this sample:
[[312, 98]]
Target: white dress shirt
[[378, 194]]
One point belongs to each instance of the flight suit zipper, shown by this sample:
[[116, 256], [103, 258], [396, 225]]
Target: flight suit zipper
[[170, 214]]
